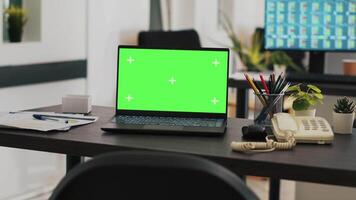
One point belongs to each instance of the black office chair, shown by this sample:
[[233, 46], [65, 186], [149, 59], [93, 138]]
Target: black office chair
[[171, 39], [150, 175]]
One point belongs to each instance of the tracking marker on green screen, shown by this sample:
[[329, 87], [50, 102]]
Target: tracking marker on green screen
[[172, 80]]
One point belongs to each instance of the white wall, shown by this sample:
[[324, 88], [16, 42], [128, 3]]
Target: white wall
[[182, 14], [39, 95], [63, 35], [110, 24], [23, 170], [248, 16], [334, 62], [201, 15], [63, 38], [245, 16], [32, 29]]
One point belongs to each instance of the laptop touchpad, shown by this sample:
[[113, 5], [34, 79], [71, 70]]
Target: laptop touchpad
[[160, 127]]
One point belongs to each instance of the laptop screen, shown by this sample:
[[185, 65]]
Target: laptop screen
[[172, 80]]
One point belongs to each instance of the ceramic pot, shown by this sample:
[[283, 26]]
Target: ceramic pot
[[15, 28], [343, 122], [309, 112]]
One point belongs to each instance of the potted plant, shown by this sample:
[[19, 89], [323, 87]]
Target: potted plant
[[281, 61], [254, 57], [305, 97], [343, 115], [16, 20]]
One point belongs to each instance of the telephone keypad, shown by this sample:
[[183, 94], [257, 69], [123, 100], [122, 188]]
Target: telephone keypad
[[310, 126]]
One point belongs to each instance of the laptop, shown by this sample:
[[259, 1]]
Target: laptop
[[171, 91]]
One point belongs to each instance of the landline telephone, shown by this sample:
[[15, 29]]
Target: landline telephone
[[289, 130]]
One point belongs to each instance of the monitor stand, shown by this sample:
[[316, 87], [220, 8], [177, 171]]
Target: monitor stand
[[316, 62]]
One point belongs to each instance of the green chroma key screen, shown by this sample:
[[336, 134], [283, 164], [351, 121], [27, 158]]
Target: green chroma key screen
[[172, 80]]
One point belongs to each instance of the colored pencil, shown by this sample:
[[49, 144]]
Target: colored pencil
[[270, 83], [275, 85], [260, 90], [266, 110], [264, 84], [254, 88], [280, 86], [273, 77]]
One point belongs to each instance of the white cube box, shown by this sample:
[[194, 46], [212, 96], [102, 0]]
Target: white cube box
[[76, 104]]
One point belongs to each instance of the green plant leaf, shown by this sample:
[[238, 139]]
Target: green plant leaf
[[344, 105], [305, 96], [293, 88], [302, 94], [313, 101], [315, 88], [318, 95], [301, 104]]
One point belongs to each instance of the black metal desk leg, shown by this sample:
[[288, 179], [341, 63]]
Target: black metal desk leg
[[73, 161], [241, 103], [274, 185]]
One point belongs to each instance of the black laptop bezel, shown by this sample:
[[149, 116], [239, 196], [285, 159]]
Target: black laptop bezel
[[169, 113]]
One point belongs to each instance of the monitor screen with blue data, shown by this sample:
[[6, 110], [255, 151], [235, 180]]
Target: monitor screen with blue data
[[326, 25]]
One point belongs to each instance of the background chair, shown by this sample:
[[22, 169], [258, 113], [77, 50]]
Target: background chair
[[150, 175], [172, 39]]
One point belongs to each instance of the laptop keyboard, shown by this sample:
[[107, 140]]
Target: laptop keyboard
[[168, 121]]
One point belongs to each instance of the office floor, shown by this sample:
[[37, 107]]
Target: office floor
[[43, 194], [260, 186]]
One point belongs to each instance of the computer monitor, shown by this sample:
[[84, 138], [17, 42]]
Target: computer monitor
[[311, 25]]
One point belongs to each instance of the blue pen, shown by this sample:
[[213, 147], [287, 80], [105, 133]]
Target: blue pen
[[41, 117]]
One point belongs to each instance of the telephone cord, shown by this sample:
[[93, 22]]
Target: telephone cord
[[268, 146]]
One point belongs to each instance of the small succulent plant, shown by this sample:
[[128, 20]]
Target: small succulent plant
[[344, 105]]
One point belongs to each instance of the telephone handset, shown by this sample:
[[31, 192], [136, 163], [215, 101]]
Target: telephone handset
[[288, 131]]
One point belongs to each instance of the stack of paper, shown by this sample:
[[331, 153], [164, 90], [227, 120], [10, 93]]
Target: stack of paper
[[51, 121]]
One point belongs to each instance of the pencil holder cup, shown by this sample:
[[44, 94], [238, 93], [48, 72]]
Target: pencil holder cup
[[266, 105]]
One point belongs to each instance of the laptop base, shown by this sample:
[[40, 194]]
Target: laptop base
[[162, 129]]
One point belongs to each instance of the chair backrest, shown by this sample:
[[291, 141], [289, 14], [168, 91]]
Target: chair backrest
[[150, 175], [172, 39]]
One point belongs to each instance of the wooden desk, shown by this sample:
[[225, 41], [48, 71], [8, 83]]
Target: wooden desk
[[331, 164], [330, 85]]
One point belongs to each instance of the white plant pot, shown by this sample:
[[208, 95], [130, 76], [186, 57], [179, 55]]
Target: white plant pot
[[279, 69], [309, 112], [343, 122]]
